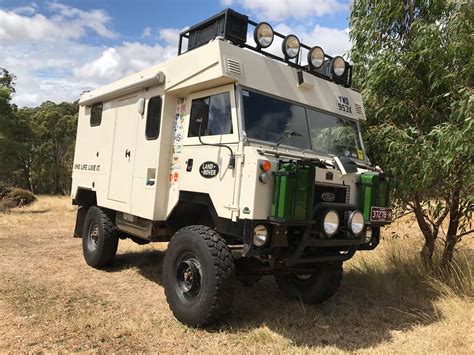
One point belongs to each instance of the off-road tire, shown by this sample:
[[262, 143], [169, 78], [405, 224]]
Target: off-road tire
[[319, 287], [99, 251], [213, 299]]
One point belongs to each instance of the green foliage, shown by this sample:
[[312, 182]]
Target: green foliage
[[36, 144], [415, 67]]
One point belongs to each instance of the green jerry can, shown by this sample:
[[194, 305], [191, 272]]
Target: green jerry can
[[293, 192], [374, 191]]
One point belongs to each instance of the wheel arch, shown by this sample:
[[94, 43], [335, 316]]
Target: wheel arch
[[197, 208]]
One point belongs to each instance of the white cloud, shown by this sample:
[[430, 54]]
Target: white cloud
[[24, 24], [278, 10], [170, 36], [146, 32], [94, 19], [27, 9], [117, 62]]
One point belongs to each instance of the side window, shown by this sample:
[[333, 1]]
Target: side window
[[96, 114], [153, 118], [217, 117]]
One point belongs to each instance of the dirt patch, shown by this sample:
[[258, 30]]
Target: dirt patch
[[50, 300]]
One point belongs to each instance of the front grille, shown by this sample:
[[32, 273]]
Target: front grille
[[326, 192]]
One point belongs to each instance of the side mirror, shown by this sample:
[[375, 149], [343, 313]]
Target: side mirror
[[199, 118]]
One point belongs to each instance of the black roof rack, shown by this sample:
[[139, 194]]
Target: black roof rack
[[233, 26]]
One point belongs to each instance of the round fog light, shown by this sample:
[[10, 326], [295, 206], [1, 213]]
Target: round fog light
[[331, 223], [316, 57], [339, 66], [291, 46], [356, 222], [263, 35], [260, 235]]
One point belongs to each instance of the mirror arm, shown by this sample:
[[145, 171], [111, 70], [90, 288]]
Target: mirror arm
[[231, 164]]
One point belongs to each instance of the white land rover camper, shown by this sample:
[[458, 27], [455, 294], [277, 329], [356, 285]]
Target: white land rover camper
[[230, 147]]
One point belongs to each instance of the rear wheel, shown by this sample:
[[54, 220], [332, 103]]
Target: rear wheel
[[312, 288], [99, 241], [198, 275]]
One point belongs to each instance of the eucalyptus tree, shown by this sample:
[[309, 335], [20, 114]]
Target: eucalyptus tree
[[415, 65]]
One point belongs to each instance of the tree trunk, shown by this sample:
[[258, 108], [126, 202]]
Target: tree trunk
[[27, 175], [451, 234], [430, 236]]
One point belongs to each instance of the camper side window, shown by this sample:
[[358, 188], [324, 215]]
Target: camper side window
[[217, 117], [153, 118], [96, 115]]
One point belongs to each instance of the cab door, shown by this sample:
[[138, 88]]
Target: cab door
[[205, 160]]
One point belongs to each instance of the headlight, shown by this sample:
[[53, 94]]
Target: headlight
[[355, 223], [264, 178], [260, 235], [316, 57], [291, 46], [338, 66], [263, 35], [331, 223]]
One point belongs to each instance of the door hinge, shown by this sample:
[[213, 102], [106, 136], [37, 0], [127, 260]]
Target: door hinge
[[232, 208]]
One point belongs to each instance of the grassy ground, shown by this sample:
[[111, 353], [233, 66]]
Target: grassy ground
[[50, 300]]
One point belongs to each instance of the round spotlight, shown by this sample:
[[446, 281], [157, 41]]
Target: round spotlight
[[316, 57], [291, 46], [263, 35], [260, 235], [355, 222], [338, 66], [331, 223]]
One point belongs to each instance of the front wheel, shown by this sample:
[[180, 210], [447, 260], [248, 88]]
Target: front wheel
[[198, 276], [312, 288]]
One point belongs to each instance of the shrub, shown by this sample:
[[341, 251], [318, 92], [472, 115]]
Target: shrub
[[21, 197], [6, 205]]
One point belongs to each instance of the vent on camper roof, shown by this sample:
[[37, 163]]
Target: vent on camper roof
[[233, 66], [358, 109]]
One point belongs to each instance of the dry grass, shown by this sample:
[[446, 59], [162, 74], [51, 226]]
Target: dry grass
[[50, 300]]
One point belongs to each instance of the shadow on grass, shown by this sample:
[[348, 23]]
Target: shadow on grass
[[148, 262], [370, 306], [20, 211]]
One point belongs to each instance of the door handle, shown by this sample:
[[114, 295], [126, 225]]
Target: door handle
[[189, 165], [127, 153]]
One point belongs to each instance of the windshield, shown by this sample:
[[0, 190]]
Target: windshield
[[272, 120]]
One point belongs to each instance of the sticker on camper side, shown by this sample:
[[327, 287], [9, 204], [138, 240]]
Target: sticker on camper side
[[87, 167], [343, 104], [209, 169]]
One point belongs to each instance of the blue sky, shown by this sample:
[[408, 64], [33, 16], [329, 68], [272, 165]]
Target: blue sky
[[57, 49]]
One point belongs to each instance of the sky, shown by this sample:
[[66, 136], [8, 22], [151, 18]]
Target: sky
[[58, 49]]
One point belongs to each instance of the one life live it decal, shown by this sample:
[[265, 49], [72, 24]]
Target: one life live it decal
[[209, 169]]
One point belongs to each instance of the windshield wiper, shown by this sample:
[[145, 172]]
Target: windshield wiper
[[288, 133]]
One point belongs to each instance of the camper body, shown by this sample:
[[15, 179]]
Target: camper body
[[223, 148]]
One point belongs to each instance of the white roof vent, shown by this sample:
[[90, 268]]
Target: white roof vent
[[233, 67]]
